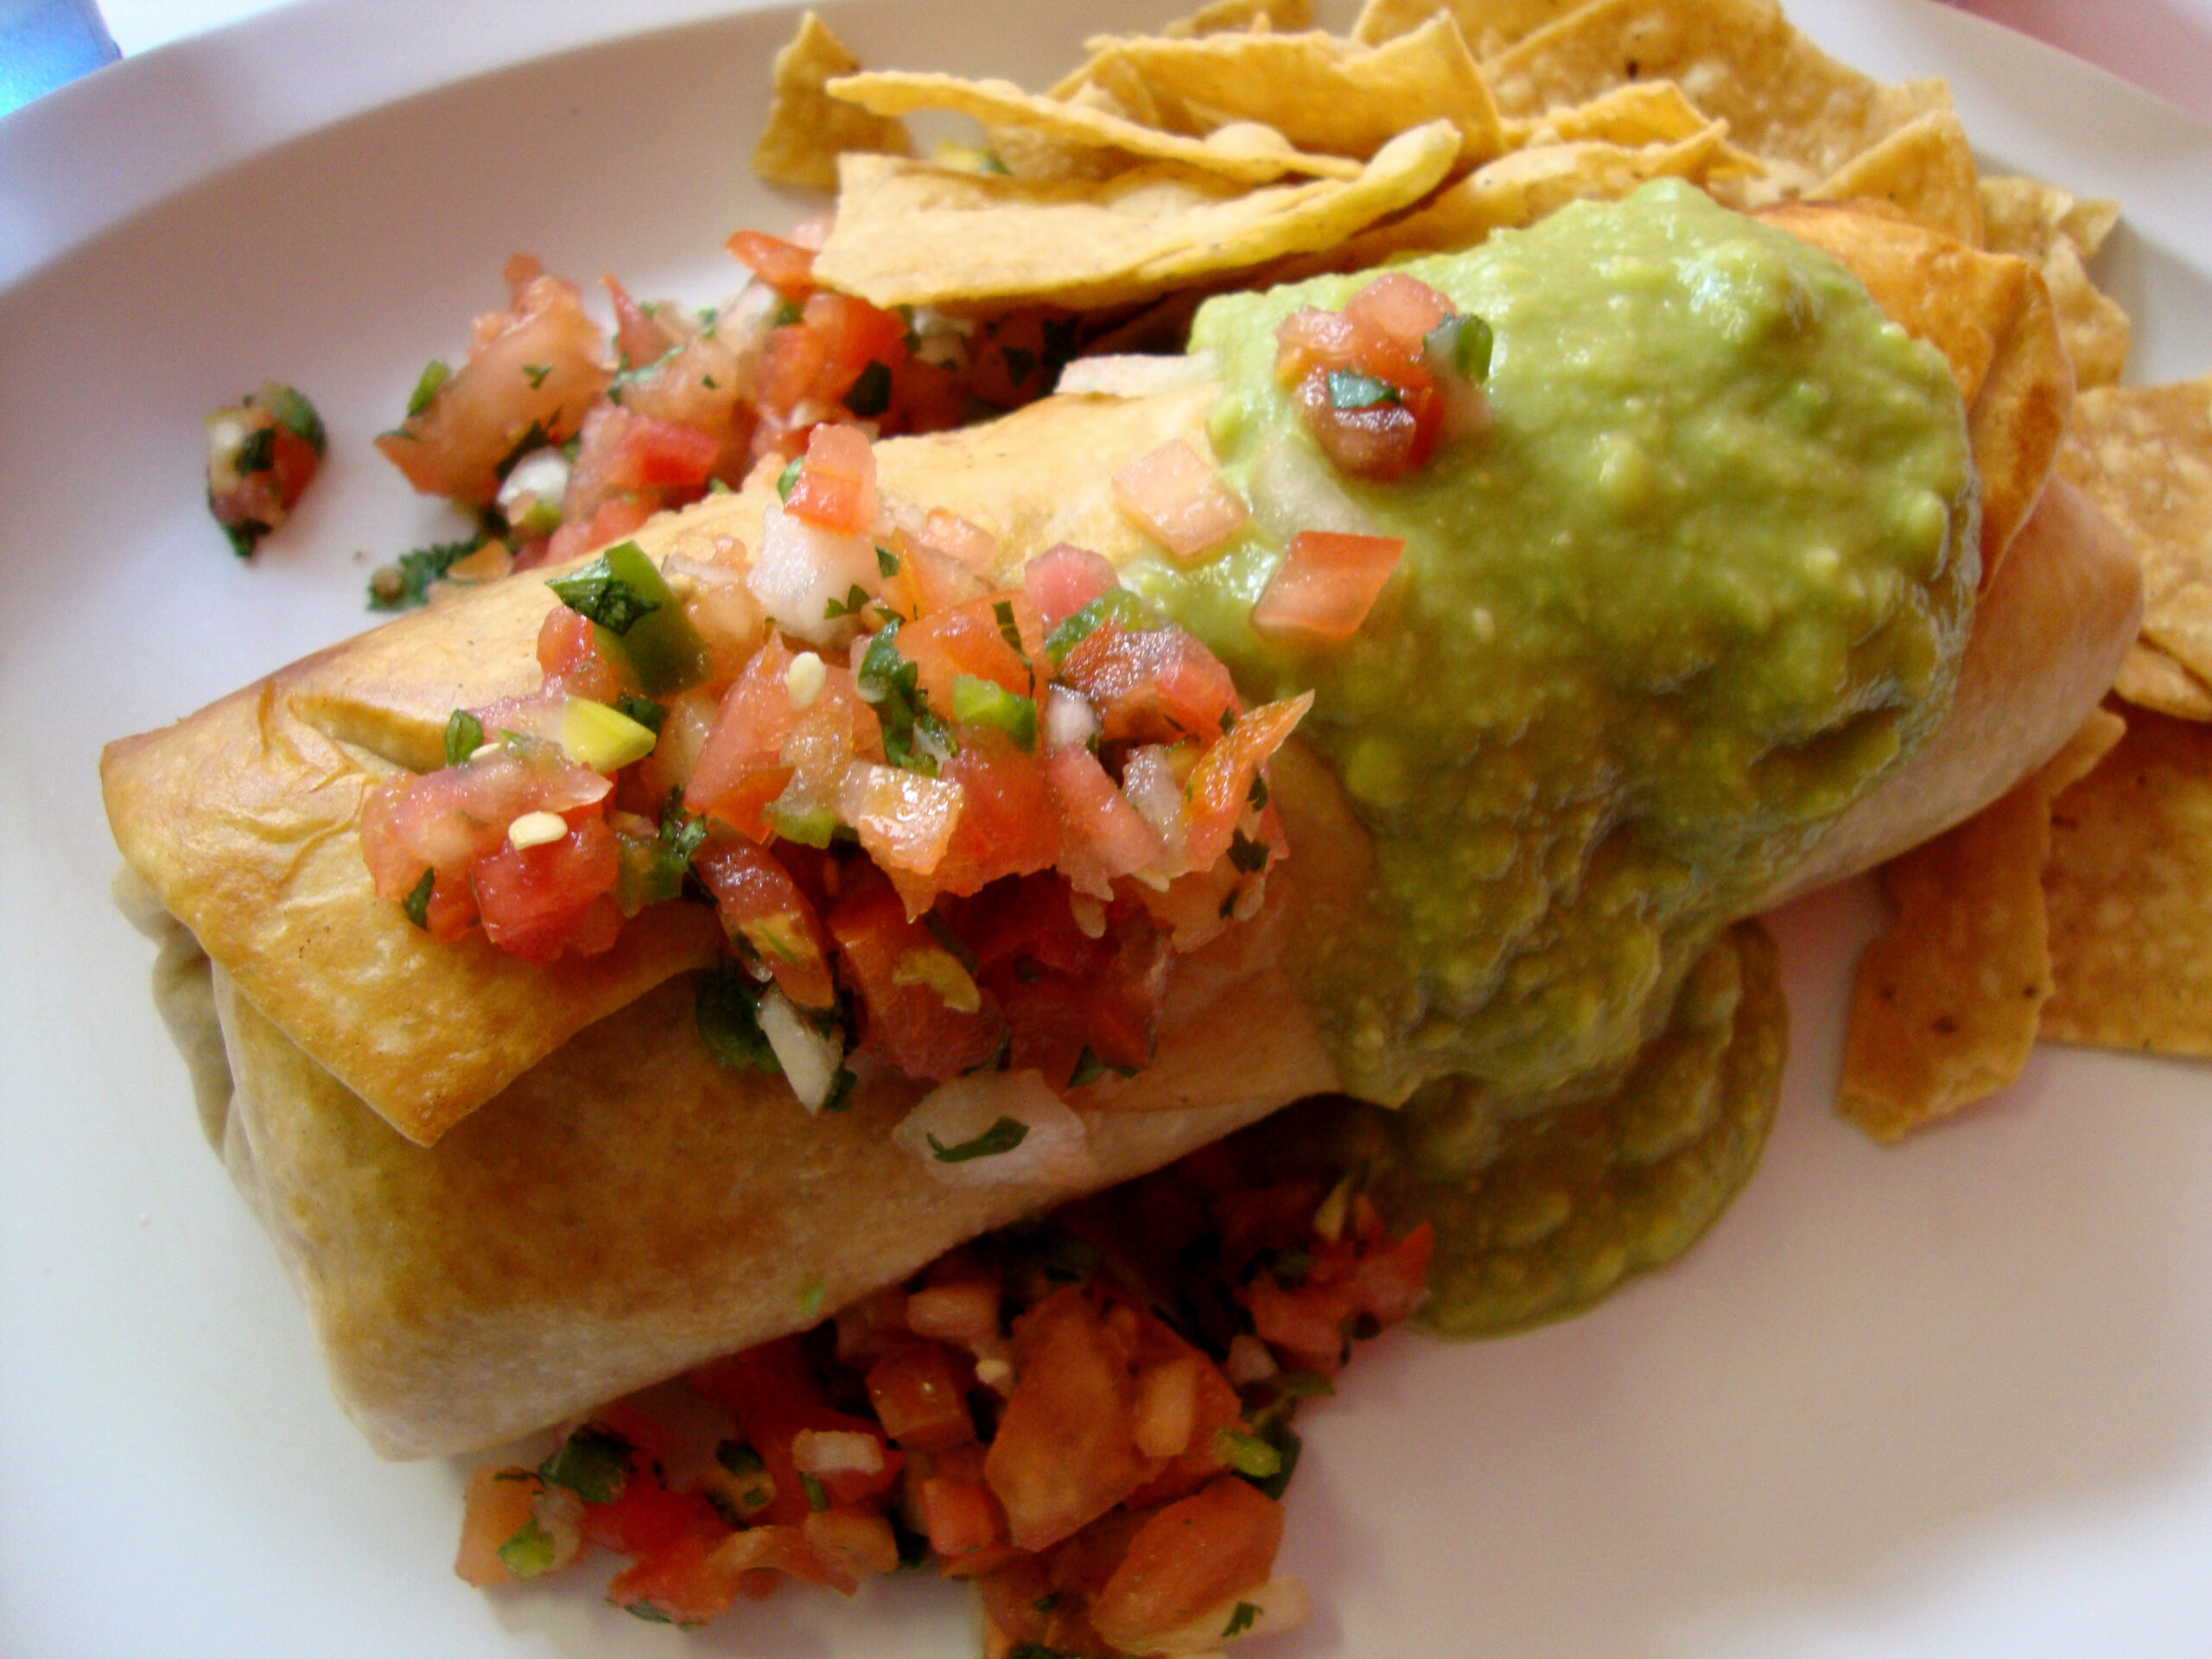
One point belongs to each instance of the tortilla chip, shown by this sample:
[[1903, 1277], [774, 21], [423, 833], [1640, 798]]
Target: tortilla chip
[[1490, 26], [1784, 99], [911, 233], [2150, 679], [2060, 234], [2144, 453], [1245, 151], [1516, 190], [2130, 892], [1242, 17], [1321, 93], [1992, 317], [807, 129], [1925, 170], [1647, 112], [1946, 1004]]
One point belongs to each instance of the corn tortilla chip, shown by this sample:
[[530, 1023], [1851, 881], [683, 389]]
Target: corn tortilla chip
[[1646, 112], [2130, 892], [1245, 151], [2059, 234], [1321, 93], [807, 129], [1925, 170], [2144, 453], [1991, 316], [1946, 1004], [1489, 25], [1514, 191], [1241, 16], [1784, 99], [911, 233], [2150, 679]]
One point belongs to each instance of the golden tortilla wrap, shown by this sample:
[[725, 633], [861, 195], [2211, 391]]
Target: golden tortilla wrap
[[621, 1208]]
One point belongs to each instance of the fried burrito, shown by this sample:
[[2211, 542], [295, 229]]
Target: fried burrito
[[1620, 576]]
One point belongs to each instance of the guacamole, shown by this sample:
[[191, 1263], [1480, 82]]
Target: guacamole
[[1703, 583]]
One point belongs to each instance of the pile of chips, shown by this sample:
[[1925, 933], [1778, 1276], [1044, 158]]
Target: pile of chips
[[1240, 147]]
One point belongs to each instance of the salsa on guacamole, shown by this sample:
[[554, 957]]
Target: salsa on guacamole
[[1700, 585]]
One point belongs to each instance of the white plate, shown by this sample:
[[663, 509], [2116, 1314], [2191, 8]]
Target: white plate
[[1954, 1399]]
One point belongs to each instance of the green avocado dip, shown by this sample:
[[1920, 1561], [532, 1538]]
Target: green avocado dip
[[1703, 583]]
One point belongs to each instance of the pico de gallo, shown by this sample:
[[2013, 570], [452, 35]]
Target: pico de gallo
[[949, 828], [263, 452], [560, 450], [1089, 1418]]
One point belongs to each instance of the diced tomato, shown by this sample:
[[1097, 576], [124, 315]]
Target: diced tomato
[[1326, 584], [854, 334], [1220, 790], [1154, 685], [751, 1555], [1010, 823], [1102, 838], [1192, 1556], [1062, 578], [910, 1024], [960, 1517], [748, 736], [622, 451], [1389, 438], [971, 639], [855, 1543], [1128, 997], [794, 364], [760, 903], [1179, 500], [1390, 1283], [448, 820], [1065, 1452], [1307, 1323], [905, 821], [609, 522], [1378, 335], [836, 482], [919, 1397], [538, 902], [682, 1584], [639, 336], [646, 1518], [970, 545], [569, 653], [1394, 314], [499, 1505], [785, 266]]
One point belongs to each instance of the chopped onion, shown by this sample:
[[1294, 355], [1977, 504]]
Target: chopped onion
[[1070, 720], [1049, 1146], [1278, 1604], [802, 569], [1148, 779], [1292, 490], [810, 1058], [819, 1451]]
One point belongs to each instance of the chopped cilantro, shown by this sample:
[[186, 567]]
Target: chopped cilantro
[[298, 415], [597, 593], [535, 373], [886, 562], [594, 1463], [406, 583], [646, 1610], [1349, 390], [787, 481], [1461, 343], [854, 601], [464, 736], [787, 315], [1287, 1446], [1010, 630], [1088, 1068], [417, 903], [941, 931], [817, 1494], [1116, 604], [726, 1008], [1259, 793], [1242, 1619], [1038, 1651], [434, 374], [840, 1097], [1020, 364], [1045, 1604], [738, 1458], [913, 737], [1001, 1138], [1248, 855], [810, 1300], [258, 451], [870, 393], [647, 713], [534, 438]]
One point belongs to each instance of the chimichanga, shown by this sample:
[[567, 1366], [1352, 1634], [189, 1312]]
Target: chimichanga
[[601, 1205]]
